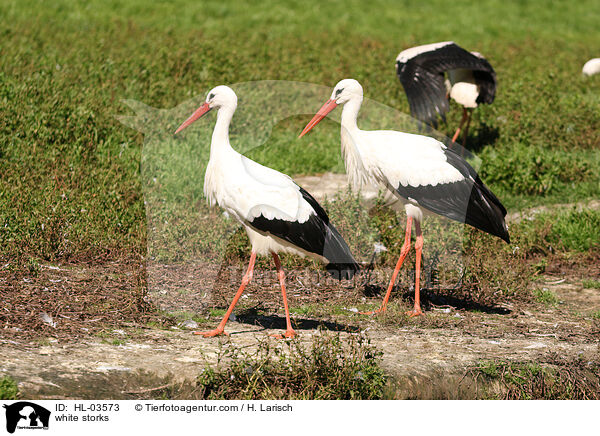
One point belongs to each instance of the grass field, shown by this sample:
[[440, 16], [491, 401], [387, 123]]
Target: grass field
[[76, 180], [70, 185]]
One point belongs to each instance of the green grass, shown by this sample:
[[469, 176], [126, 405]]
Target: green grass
[[70, 179], [217, 312], [560, 380], [546, 297], [8, 388], [591, 284], [562, 230]]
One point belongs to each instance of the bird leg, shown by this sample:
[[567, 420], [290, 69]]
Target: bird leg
[[220, 330], [462, 121], [289, 332], [418, 249], [467, 127], [403, 253]]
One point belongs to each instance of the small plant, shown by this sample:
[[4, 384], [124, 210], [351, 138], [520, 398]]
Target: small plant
[[33, 267], [577, 230], [545, 296], [328, 368], [8, 389], [557, 380], [591, 284], [216, 312]]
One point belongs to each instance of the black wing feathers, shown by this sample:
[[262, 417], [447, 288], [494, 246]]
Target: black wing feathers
[[316, 235], [422, 77], [425, 91], [468, 201]]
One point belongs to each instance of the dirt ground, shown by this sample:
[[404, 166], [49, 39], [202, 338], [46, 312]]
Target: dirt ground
[[431, 350], [82, 331]]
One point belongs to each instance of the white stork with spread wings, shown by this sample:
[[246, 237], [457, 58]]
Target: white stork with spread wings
[[471, 81], [591, 67]]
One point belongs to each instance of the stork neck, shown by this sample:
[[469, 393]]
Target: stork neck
[[350, 114], [220, 136]]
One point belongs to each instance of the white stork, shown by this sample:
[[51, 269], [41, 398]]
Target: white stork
[[471, 81], [591, 67], [278, 215], [421, 171]]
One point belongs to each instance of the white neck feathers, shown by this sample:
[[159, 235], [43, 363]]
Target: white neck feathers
[[220, 136]]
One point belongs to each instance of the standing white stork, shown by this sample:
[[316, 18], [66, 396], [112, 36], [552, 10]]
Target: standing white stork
[[421, 171], [591, 67], [278, 215], [471, 81]]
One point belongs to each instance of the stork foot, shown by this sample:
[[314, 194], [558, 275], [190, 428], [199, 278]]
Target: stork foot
[[415, 312], [212, 333], [374, 312], [289, 333]]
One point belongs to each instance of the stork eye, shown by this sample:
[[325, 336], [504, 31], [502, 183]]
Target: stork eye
[[338, 92], [211, 96]]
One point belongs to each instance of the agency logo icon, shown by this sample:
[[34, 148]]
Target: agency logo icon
[[26, 415]]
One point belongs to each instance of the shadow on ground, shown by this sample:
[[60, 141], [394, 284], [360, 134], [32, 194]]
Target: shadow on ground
[[278, 322], [437, 297]]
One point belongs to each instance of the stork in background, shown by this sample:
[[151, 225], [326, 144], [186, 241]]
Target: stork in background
[[591, 67], [421, 171], [278, 215], [471, 81]]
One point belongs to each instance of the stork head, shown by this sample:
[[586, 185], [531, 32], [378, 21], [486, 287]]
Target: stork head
[[346, 90], [219, 97]]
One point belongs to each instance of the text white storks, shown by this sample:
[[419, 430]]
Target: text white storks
[[471, 80], [421, 171], [278, 215]]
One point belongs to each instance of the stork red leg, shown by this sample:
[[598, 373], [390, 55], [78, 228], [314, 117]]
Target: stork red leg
[[462, 121], [418, 249], [220, 330], [289, 332], [403, 253], [467, 127]]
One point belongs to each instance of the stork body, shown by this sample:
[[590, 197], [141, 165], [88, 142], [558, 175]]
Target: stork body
[[470, 81], [420, 171], [278, 215], [591, 67]]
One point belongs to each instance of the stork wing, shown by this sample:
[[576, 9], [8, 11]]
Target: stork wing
[[421, 72], [425, 172], [273, 204]]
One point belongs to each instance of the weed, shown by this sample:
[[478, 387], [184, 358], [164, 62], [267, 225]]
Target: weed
[[591, 283], [8, 388], [545, 296], [534, 381], [217, 312], [328, 368]]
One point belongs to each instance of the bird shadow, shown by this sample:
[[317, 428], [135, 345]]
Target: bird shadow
[[433, 297], [279, 323], [482, 136]]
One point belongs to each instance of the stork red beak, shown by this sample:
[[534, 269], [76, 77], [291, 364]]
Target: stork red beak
[[199, 112], [325, 109]]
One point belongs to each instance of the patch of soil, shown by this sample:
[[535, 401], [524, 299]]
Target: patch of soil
[[71, 301]]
